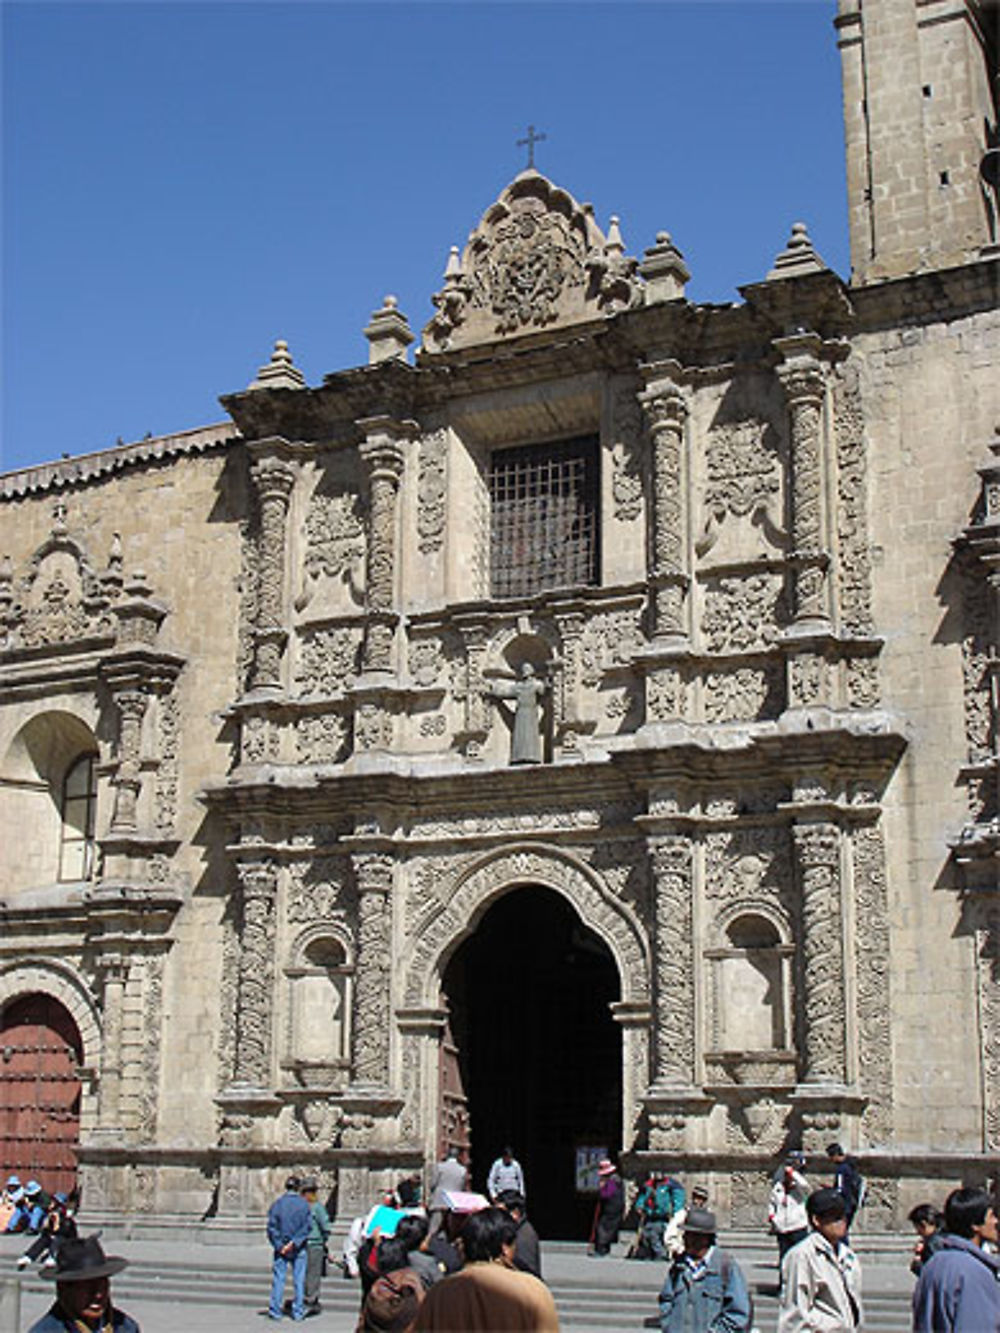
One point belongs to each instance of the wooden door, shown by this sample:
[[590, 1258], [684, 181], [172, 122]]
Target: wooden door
[[40, 1054]]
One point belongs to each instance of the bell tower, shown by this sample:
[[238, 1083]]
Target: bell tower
[[920, 111]]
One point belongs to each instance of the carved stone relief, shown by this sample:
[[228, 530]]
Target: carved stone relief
[[374, 875], [626, 463], [333, 565], [854, 564], [323, 739], [254, 998], [817, 849], [988, 956], [610, 641], [470, 890], [329, 661], [432, 490], [150, 1057], [872, 962], [320, 890], [747, 863], [433, 656], [167, 777], [743, 481], [743, 614], [744, 694], [673, 1055]]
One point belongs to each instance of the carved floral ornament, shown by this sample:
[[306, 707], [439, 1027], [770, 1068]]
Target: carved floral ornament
[[536, 258]]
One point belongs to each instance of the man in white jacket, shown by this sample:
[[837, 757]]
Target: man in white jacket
[[821, 1276]]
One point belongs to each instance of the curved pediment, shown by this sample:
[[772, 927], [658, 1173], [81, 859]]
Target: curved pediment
[[537, 260]]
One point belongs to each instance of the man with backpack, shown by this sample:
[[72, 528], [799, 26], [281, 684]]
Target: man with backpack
[[704, 1290], [660, 1197]]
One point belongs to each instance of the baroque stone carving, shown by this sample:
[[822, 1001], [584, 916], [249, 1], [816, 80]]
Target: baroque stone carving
[[374, 874], [167, 776], [273, 480], [817, 850], [610, 640], [666, 694], [862, 682], [626, 464], [152, 1026], [759, 1124], [666, 410], [747, 862], [743, 614], [744, 694], [988, 962], [744, 476], [466, 892], [432, 490], [854, 567], [674, 992], [319, 890], [872, 955], [254, 983], [328, 661], [372, 727], [334, 535], [322, 740], [802, 379]]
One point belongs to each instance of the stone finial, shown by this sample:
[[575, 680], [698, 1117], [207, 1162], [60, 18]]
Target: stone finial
[[798, 256], [614, 245], [389, 333], [664, 270], [280, 372]]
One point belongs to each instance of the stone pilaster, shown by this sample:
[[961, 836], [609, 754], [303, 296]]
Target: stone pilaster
[[273, 479], [568, 722], [801, 377], [383, 456], [817, 856], [255, 973], [673, 976], [115, 967], [372, 1013], [475, 721]]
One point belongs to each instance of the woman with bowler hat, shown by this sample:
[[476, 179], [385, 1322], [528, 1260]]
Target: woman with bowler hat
[[83, 1292]]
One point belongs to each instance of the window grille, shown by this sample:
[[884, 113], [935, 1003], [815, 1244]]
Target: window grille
[[79, 804], [543, 517]]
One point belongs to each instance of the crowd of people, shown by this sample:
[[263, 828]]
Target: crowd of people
[[471, 1262]]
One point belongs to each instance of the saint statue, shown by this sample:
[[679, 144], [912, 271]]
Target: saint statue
[[526, 742]]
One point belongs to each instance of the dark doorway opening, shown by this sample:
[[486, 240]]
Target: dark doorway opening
[[539, 1051]]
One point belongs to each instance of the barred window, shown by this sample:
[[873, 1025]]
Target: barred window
[[79, 804], [543, 517]]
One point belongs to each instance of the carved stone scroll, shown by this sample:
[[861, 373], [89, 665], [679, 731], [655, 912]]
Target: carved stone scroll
[[374, 872], [273, 479], [817, 852], [673, 1056], [127, 781]]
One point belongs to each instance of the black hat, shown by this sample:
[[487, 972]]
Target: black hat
[[81, 1260], [700, 1220]]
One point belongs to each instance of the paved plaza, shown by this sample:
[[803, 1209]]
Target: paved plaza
[[202, 1286]]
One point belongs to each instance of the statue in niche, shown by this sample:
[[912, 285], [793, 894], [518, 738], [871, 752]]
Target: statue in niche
[[526, 692]]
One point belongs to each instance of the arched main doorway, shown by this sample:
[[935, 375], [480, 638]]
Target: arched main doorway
[[40, 1054], [540, 1054]]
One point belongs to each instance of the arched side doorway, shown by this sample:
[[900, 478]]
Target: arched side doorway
[[540, 1054], [40, 1055]]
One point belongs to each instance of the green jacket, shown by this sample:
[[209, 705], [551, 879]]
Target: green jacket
[[319, 1226]]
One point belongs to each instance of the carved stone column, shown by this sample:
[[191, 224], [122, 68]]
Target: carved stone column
[[801, 377], [255, 974], [115, 968], [383, 456], [372, 1010], [127, 781], [817, 855], [273, 479], [568, 723], [673, 979], [475, 723], [666, 411]]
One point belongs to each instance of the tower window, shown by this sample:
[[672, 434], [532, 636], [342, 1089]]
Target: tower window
[[79, 806], [543, 517], [927, 90]]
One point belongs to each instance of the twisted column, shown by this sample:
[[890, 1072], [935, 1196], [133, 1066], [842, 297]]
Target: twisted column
[[370, 1027], [255, 974], [383, 457], [801, 377], [673, 1008], [273, 479], [817, 856], [666, 411]]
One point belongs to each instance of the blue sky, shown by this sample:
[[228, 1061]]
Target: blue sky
[[185, 182]]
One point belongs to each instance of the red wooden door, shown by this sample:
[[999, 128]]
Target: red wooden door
[[40, 1053]]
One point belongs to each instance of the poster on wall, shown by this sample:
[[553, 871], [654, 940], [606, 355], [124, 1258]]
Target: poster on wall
[[587, 1160]]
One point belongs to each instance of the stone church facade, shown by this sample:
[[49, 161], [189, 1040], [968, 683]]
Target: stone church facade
[[675, 622]]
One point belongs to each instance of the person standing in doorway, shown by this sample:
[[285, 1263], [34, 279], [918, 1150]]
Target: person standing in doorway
[[505, 1174], [319, 1234], [610, 1209], [449, 1175], [288, 1224]]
